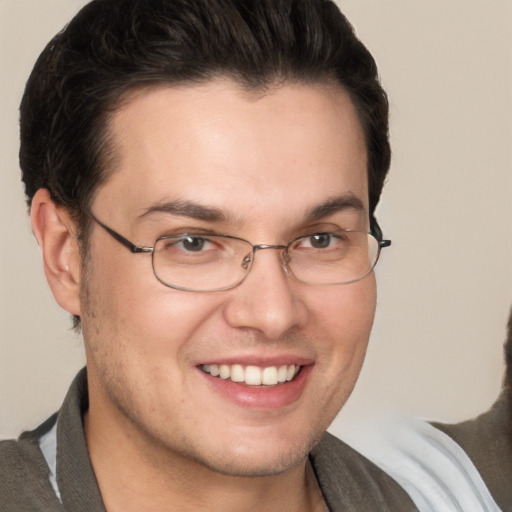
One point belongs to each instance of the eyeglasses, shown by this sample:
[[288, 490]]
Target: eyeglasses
[[199, 262]]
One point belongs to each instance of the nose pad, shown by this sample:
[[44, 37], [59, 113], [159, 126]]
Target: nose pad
[[247, 261], [285, 259]]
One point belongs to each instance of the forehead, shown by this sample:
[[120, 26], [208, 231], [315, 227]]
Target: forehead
[[237, 151]]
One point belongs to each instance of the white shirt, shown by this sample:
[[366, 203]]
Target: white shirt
[[432, 468]]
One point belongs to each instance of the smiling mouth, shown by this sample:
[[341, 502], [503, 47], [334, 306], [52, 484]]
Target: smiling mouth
[[253, 375]]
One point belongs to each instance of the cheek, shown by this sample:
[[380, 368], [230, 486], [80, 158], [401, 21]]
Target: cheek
[[129, 313], [345, 318], [347, 309]]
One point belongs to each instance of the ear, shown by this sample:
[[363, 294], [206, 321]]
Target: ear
[[55, 232]]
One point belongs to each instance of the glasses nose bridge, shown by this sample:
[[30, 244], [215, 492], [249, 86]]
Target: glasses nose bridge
[[261, 247]]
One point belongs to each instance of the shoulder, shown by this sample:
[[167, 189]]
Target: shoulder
[[487, 440], [487, 434], [428, 464], [24, 474], [350, 481]]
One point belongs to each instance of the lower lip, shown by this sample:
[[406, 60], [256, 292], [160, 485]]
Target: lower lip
[[261, 397]]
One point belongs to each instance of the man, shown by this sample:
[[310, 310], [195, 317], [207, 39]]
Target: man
[[202, 178]]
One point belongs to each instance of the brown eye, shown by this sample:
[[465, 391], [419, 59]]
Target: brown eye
[[320, 241]]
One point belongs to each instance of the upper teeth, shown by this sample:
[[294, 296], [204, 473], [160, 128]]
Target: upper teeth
[[253, 375]]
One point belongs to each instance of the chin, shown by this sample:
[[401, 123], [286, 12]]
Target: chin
[[269, 457], [247, 466]]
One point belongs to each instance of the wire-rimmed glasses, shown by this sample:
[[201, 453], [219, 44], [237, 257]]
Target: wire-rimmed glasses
[[199, 262]]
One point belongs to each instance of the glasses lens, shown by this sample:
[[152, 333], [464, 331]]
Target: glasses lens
[[201, 262], [205, 263], [340, 257]]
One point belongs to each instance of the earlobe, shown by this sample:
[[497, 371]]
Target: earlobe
[[55, 232]]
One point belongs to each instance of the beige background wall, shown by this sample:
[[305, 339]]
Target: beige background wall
[[445, 285]]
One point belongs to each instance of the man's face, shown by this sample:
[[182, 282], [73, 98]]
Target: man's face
[[213, 158]]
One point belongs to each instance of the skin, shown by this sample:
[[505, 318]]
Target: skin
[[157, 429]]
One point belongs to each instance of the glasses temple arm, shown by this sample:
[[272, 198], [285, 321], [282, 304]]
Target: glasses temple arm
[[120, 238], [377, 233]]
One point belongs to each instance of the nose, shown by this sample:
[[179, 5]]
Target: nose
[[267, 301]]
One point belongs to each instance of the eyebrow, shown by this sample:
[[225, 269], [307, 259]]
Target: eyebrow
[[334, 205], [186, 209], [198, 211]]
